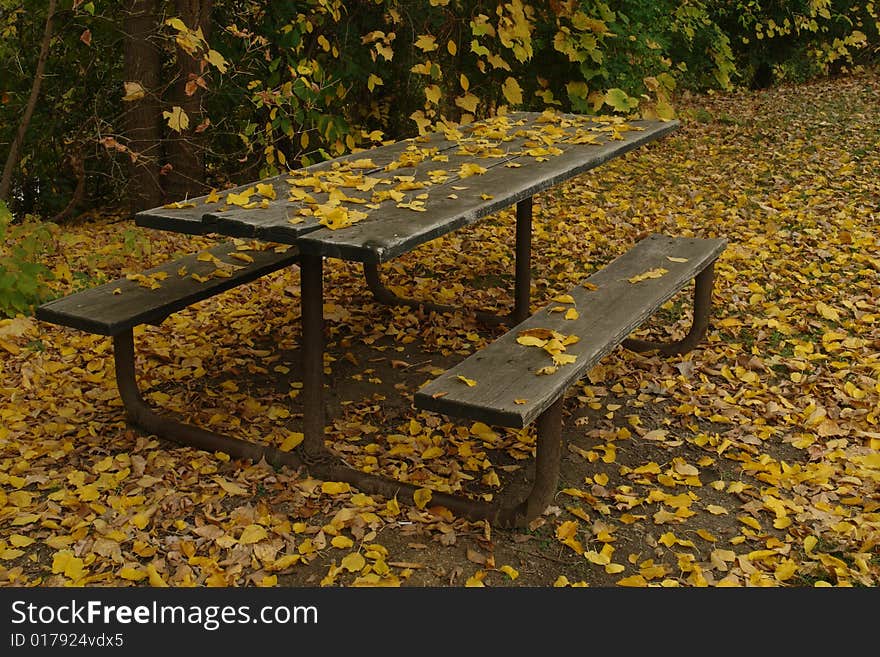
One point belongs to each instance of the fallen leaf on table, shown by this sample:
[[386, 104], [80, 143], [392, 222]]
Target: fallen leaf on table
[[652, 273]]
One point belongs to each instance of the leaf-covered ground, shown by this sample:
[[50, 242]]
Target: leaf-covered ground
[[751, 461]]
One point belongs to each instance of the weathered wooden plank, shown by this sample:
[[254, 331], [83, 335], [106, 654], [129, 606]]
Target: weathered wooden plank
[[198, 216], [391, 232], [113, 307], [508, 392]]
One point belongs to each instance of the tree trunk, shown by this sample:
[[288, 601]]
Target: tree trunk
[[185, 150], [15, 147], [143, 119]]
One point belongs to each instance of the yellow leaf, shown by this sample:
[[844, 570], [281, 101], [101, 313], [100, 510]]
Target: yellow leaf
[[653, 273], [421, 497], [372, 82], [141, 520], [252, 534], [510, 571], [63, 562], [230, 487], [567, 530], [294, 438], [531, 341], [177, 119], [674, 259], [809, 543], [564, 298], [426, 43], [750, 522], [469, 169], [433, 93], [600, 559], [132, 574], [512, 91], [470, 382], [335, 487], [785, 570], [632, 580], [354, 562], [571, 313], [217, 60], [266, 190], [9, 554], [240, 198], [155, 578], [614, 568], [484, 432], [476, 580], [827, 311], [451, 48], [564, 359], [17, 540], [133, 91], [468, 102], [341, 542]]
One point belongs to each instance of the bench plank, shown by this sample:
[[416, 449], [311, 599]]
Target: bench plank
[[119, 305], [508, 370]]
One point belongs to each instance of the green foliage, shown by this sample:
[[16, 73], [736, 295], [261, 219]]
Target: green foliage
[[22, 277]]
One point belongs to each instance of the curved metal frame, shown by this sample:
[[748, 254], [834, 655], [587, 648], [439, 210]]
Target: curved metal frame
[[322, 463], [703, 283], [522, 284]]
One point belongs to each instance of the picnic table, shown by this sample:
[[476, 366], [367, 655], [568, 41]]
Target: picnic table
[[374, 206]]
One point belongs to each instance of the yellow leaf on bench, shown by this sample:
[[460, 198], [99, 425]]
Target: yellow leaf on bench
[[266, 191], [652, 273], [531, 341], [241, 199], [470, 169], [564, 298], [238, 255], [564, 359], [470, 382]]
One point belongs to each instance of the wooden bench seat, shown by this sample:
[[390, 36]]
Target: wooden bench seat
[[149, 298], [515, 381], [115, 308]]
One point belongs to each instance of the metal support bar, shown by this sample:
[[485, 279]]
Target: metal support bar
[[312, 299], [703, 283], [185, 434], [517, 514], [320, 461], [523, 283]]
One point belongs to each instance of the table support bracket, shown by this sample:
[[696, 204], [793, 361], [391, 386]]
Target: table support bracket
[[703, 283], [522, 285]]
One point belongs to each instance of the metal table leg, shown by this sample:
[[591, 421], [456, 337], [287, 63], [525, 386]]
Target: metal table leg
[[702, 304], [522, 286]]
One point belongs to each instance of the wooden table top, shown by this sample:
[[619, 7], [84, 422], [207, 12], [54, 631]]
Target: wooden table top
[[374, 205]]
